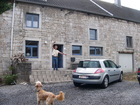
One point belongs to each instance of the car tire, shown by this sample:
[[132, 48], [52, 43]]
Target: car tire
[[77, 84], [105, 82], [121, 78]]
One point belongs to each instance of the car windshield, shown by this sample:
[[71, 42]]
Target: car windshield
[[89, 64]]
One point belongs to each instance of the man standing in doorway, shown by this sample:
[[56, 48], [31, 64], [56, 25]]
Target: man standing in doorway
[[55, 53]]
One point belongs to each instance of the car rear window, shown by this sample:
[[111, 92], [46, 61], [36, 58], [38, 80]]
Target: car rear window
[[89, 64]]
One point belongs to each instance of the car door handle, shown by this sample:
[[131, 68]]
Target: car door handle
[[114, 70], [108, 70]]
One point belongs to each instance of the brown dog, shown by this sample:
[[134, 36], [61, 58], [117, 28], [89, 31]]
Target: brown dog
[[49, 97]]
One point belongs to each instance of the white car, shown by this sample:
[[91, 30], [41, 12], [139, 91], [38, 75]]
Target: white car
[[97, 71]]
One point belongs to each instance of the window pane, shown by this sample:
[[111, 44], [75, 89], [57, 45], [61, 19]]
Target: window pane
[[93, 34], [35, 52], [29, 23], [92, 51], [112, 64], [32, 20], [89, 64], [36, 17], [129, 41], [76, 50], [32, 43], [35, 24], [28, 51], [31, 49], [98, 51], [28, 17], [28, 20], [106, 64]]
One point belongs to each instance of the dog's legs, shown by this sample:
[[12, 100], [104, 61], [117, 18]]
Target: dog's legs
[[42, 102], [49, 101], [38, 102], [52, 103]]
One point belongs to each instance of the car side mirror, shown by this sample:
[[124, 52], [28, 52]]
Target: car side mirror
[[118, 66]]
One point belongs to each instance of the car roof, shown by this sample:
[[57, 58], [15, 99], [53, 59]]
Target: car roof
[[95, 59]]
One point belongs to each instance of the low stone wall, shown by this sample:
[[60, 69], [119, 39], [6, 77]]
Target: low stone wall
[[51, 76], [23, 71]]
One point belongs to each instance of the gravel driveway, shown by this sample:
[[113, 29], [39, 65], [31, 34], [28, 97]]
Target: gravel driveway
[[119, 93]]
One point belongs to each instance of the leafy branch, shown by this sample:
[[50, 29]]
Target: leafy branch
[[5, 5]]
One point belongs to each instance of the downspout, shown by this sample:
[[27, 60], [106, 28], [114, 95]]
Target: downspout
[[12, 29]]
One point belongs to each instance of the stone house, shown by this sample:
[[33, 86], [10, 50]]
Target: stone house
[[82, 29]]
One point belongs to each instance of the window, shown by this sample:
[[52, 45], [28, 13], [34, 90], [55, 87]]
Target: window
[[76, 50], [93, 34], [32, 20], [110, 64], [31, 50], [97, 51], [89, 64], [129, 41], [106, 64]]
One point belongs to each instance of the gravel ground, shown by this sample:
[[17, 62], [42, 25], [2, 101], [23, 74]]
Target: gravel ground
[[119, 93]]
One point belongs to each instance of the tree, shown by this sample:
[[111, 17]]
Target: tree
[[5, 5]]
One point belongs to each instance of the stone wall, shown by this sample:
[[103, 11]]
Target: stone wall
[[5, 32], [70, 28]]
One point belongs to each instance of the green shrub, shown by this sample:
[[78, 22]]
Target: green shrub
[[5, 5], [10, 79]]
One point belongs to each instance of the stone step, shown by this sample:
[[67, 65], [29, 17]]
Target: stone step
[[50, 76]]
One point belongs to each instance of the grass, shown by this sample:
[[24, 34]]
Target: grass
[[131, 76]]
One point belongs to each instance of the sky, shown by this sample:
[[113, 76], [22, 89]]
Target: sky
[[135, 4]]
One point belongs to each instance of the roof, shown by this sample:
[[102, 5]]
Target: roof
[[95, 59], [87, 6]]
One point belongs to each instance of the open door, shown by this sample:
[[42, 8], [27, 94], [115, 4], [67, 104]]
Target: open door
[[60, 56]]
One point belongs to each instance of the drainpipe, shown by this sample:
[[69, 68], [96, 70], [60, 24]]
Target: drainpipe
[[12, 29]]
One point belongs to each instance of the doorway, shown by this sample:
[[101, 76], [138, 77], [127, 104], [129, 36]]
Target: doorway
[[60, 56]]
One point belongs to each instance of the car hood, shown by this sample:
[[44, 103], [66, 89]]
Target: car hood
[[86, 70]]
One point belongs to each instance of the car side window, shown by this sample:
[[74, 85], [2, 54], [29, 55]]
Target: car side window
[[106, 64], [112, 64]]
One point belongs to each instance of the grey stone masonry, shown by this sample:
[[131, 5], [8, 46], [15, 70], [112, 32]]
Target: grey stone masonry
[[50, 76], [66, 28], [23, 71]]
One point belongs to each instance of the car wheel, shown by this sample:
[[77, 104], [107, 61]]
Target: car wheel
[[77, 84], [105, 82], [121, 77]]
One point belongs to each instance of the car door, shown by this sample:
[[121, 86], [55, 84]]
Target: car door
[[109, 70], [115, 70]]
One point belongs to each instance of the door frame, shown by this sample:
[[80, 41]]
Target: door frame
[[64, 59]]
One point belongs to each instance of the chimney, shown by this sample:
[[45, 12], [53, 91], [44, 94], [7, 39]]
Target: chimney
[[118, 3]]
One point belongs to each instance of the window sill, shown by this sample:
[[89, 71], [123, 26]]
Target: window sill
[[76, 55], [28, 28], [96, 55], [129, 48]]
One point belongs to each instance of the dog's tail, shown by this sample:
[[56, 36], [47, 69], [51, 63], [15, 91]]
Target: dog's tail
[[60, 96]]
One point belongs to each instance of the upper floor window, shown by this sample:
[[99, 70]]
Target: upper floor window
[[96, 51], [32, 20], [93, 34], [31, 49], [129, 41], [76, 50]]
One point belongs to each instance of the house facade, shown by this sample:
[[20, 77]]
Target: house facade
[[91, 34]]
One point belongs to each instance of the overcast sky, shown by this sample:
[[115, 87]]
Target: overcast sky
[[128, 3]]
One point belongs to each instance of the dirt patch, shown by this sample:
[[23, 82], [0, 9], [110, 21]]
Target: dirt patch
[[130, 76]]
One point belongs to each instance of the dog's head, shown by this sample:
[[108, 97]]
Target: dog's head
[[38, 84]]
